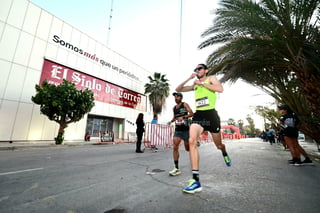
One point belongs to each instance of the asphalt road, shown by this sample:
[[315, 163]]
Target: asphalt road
[[113, 178]]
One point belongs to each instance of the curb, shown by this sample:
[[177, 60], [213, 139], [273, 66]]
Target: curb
[[25, 145], [18, 145]]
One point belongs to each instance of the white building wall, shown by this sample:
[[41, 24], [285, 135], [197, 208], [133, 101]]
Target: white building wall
[[26, 39]]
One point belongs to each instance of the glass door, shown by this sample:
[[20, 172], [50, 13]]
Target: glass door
[[98, 125]]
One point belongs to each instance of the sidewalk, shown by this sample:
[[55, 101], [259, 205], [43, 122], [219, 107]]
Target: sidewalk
[[43, 144], [310, 148], [39, 144]]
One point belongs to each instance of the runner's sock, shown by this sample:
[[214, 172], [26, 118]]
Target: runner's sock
[[224, 153], [176, 164], [195, 175]]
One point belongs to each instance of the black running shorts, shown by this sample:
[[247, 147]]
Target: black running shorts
[[291, 132], [208, 119]]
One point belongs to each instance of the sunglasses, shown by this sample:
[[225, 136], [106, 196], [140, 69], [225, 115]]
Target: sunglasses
[[198, 69]]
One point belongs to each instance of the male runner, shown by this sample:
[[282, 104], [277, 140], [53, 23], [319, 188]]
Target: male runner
[[181, 113], [205, 118]]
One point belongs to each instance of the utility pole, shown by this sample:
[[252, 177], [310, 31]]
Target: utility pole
[[180, 39], [110, 18]]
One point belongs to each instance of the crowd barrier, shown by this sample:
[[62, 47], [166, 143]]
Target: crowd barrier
[[205, 137], [232, 136], [113, 137], [158, 135], [105, 137], [132, 137]]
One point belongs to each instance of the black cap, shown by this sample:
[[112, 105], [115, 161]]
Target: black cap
[[178, 94], [284, 107]]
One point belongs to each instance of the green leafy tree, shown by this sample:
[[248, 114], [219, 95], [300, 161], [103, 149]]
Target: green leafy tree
[[231, 121], [251, 130], [63, 104], [270, 116], [158, 91], [273, 45], [240, 124]]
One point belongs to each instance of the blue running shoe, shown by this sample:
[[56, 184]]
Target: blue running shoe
[[194, 186], [227, 160]]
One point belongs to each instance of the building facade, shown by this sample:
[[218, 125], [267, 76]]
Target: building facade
[[36, 46]]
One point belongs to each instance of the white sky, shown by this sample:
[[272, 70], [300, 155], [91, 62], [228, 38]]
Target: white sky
[[148, 33]]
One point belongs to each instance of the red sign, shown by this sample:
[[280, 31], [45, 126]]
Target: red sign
[[103, 91]]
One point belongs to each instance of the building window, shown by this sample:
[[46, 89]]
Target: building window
[[98, 125]]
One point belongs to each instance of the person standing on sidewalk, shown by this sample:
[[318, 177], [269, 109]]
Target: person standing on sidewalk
[[154, 119], [271, 135], [289, 128], [206, 118], [181, 113], [139, 132]]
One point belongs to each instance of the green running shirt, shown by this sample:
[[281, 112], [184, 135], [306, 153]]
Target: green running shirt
[[205, 98]]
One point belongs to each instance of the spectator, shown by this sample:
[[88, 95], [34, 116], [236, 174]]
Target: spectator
[[139, 132], [289, 128]]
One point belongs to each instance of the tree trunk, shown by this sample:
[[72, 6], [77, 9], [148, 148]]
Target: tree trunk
[[59, 139], [310, 85]]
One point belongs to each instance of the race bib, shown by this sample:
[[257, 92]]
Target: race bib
[[183, 122], [202, 102]]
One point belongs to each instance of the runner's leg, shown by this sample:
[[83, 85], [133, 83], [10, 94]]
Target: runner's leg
[[194, 183], [194, 133], [186, 140], [218, 141], [176, 144]]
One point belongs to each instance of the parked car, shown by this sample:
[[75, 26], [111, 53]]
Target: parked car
[[301, 136]]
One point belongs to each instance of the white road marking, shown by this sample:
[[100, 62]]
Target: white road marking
[[20, 171], [4, 198]]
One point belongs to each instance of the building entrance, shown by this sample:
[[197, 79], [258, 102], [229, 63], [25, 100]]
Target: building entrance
[[99, 126]]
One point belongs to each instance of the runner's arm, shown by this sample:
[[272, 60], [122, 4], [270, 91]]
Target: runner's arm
[[190, 112], [214, 84], [189, 115], [173, 119], [182, 88]]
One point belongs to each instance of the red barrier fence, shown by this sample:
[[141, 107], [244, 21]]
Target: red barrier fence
[[235, 135], [205, 137], [232, 136], [158, 135]]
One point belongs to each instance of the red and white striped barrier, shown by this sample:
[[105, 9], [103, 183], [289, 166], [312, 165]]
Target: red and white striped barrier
[[158, 135], [232, 136], [206, 136]]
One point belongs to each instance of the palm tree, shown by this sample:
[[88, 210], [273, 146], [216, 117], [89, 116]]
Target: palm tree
[[158, 91], [274, 45]]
